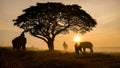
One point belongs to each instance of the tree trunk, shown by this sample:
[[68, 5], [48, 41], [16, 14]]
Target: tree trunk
[[51, 44]]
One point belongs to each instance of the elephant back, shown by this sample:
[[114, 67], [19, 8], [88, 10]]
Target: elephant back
[[86, 44], [19, 40]]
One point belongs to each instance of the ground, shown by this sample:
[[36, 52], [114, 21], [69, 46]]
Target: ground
[[57, 59]]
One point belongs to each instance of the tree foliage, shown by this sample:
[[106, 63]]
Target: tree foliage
[[47, 20]]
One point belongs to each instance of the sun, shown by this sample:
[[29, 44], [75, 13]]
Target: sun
[[77, 38]]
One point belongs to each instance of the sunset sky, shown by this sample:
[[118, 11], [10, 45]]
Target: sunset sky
[[106, 13]]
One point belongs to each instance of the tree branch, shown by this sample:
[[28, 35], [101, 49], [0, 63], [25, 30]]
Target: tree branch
[[40, 38], [61, 30]]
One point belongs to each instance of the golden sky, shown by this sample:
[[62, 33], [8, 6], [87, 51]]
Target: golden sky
[[106, 33]]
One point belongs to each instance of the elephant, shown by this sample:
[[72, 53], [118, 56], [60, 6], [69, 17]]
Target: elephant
[[83, 45], [19, 43]]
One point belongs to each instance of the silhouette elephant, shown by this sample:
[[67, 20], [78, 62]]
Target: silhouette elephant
[[82, 47], [19, 43]]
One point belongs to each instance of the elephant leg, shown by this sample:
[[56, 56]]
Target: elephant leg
[[17, 49], [84, 49], [81, 50], [14, 47], [23, 48], [91, 50], [76, 51]]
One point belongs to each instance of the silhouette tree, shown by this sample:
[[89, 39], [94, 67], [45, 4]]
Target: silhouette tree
[[47, 20]]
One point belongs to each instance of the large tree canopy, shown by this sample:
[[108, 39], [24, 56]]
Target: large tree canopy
[[47, 20]]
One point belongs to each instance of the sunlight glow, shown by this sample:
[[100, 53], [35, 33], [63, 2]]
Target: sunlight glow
[[77, 38]]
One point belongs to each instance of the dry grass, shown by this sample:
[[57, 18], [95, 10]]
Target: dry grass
[[57, 59]]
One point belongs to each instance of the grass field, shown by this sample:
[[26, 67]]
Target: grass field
[[57, 59]]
